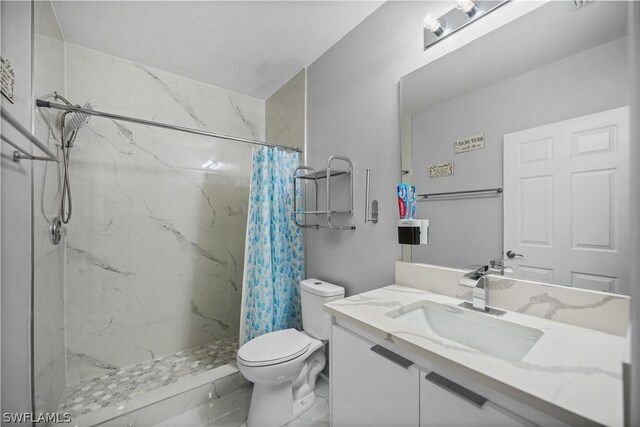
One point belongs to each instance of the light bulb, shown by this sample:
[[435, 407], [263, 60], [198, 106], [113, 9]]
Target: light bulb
[[467, 6], [433, 24]]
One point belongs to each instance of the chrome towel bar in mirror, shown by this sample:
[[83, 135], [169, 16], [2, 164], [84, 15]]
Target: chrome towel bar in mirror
[[422, 197]]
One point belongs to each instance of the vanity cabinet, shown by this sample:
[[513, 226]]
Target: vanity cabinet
[[371, 386]]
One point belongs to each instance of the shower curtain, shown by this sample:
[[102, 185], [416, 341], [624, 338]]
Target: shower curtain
[[274, 252]]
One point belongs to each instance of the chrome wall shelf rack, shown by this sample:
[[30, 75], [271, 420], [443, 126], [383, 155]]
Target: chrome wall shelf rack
[[306, 174]]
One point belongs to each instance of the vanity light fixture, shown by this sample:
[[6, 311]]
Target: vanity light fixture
[[439, 28], [469, 7], [433, 24]]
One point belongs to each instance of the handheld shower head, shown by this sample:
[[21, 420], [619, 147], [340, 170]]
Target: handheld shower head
[[77, 122], [80, 119]]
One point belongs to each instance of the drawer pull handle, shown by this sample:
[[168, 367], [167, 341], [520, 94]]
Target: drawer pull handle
[[390, 355], [464, 393]]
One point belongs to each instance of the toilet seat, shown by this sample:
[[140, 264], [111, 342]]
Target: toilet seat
[[274, 348]]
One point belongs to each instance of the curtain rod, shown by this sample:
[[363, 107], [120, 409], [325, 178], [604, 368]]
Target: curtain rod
[[75, 109]]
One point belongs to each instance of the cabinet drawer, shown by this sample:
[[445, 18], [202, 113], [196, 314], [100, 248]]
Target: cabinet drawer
[[444, 403], [371, 386]]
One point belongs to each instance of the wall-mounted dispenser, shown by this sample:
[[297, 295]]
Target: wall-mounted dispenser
[[413, 231], [370, 210]]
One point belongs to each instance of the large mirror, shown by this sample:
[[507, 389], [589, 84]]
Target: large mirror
[[536, 113]]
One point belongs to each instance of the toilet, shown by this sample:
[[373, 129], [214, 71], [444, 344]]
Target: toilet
[[284, 365]]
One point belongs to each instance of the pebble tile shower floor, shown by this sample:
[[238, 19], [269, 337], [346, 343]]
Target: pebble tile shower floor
[[120, 385]]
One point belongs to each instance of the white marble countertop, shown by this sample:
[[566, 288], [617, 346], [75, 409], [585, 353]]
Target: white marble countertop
[[572, 371]]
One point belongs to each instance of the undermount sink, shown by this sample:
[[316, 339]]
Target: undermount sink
[[480, 331]]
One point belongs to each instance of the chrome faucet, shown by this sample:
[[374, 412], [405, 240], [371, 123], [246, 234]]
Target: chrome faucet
[[479, 282]]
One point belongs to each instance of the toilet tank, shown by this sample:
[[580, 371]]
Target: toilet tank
[[314, 294]]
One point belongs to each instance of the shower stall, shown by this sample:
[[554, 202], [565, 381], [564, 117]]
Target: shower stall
[[137, 307]]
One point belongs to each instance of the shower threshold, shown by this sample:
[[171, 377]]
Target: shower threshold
[[153, 391]]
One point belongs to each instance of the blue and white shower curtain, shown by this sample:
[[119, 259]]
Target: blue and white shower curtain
[[274, 251]]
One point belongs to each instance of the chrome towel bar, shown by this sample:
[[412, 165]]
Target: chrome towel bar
[[20, 153], [423, 197]]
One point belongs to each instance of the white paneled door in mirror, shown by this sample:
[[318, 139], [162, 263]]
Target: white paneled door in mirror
[[566, 201]]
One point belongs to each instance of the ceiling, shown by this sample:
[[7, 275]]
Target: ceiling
[[251, 47]]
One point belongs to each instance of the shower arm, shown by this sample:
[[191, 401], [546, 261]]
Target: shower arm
[[78, 109]]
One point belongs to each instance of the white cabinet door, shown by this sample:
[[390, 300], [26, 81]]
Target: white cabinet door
[[371, 386], [566, 201], [444, 403]]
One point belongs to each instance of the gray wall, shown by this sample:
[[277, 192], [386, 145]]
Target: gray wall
[[353, 109], [16, 218], [468, 231]]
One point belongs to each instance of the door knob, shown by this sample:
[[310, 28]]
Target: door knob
[[512, 255]]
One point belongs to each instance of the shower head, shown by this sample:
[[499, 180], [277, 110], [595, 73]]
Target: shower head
[[80, 119]]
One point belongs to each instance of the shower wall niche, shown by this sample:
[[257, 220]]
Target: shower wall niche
[[155, 247]]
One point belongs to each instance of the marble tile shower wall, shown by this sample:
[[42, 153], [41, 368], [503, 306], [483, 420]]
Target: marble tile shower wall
[[48, 271], [156, 245]]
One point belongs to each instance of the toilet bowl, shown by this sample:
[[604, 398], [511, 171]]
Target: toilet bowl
[[284, 365]]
